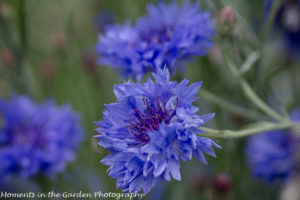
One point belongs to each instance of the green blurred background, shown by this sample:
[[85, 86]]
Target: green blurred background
[[50, 45]]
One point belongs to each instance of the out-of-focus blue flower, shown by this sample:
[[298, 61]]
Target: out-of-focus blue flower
[[36, 138], [287, 23], [151, 128], [291, 28], [168, 35], [272, 154]]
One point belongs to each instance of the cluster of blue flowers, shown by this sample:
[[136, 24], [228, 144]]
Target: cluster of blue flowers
[[151, 128], [272, 155], [167, 36], [154, 126], [36, 138]]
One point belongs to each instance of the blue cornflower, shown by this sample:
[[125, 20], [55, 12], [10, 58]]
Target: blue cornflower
[[36, 138], [272, 154], [151, 128], [168, 35]]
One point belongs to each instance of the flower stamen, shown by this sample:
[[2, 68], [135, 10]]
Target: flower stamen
[[150, 118]]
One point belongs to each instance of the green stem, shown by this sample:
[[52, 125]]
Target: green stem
[[272, 15], [6, 35], [23, 35], [11, 77], [250, 114], [15, 77], [249, 92], [256, 128], [24, 70]]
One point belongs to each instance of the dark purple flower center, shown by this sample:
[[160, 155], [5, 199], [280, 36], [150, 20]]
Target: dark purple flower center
[[157, 36], [27, 136], [150, 119]]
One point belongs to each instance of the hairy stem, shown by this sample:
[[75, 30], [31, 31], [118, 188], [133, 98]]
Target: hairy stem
[[249, 92], [253, 129], [250, 114]]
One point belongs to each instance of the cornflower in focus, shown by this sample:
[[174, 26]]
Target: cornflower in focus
[[151, 128]]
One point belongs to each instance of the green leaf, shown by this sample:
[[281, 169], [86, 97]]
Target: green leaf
[[249, 62]]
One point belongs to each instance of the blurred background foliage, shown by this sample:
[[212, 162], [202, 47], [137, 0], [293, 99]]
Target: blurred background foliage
[[47, 51]]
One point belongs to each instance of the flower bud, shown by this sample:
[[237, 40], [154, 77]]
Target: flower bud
[[200, 181], [58, 39], [222, 183], [7, 57], [5, 10], [226, 19], [89, 61], [237, 119], [227, 15], [47, 69]]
